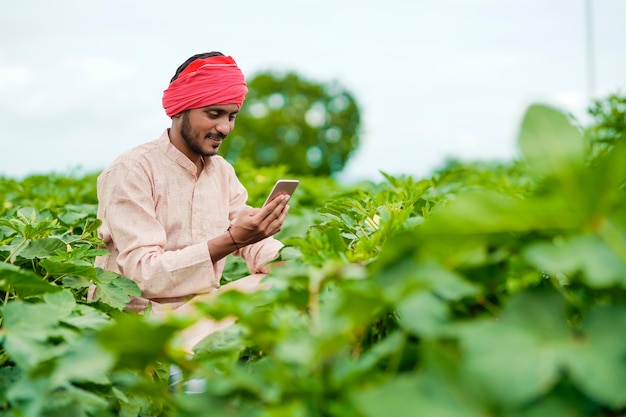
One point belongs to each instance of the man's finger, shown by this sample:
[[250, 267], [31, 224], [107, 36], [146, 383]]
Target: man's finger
[[280, 200]]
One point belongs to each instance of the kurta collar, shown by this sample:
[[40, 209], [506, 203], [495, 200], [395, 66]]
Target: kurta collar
[[173, 153]]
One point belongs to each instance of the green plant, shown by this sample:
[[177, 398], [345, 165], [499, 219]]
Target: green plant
[[485, 290]]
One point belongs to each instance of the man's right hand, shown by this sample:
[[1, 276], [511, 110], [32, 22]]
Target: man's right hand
[[251, 226], [254, 225]]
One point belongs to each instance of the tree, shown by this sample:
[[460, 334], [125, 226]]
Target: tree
[[311, 127]]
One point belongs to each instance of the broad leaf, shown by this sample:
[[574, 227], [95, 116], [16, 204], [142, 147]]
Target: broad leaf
[[600, 267], [29, 328], [74, 267], [112, 295], [351, 371], [114, 289], [42, 248], [24, 282], [519, 356], [597, 360], [62, 302], [423, 314], [85, 317], [444, 283], [78, 365], [414, 395], [127, 339], [550, 143]]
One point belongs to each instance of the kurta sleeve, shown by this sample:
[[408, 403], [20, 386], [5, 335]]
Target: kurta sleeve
[[258, 255]]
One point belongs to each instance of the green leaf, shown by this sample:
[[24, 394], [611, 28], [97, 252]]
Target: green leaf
[[75, 213], [25, 283], [488, 212], [347, 308], [112, 295], [84, 361], [423, 314], [30, 394], [127, 285], [413, 395], [71, 400], [562, 406], [230, 303], [114, 289], [299, 348], [75, 282], [13, 248], [135, 341], [226, 344], [518, 357], [74, 267], [85, 317], [28, 329], [62, 302], [42, 248], [349, 372], [586, 253], [446, 284], [549, 142], [9, 375], [293, 408], [597, 361]]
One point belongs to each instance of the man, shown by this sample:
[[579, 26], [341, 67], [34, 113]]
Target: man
[[172, 209]]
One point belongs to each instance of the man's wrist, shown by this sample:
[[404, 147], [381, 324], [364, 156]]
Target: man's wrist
[[232, 238]]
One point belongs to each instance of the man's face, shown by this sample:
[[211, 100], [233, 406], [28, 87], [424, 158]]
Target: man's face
[[204, 129]]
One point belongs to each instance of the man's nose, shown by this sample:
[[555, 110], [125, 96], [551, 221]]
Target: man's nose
[[224, 126]]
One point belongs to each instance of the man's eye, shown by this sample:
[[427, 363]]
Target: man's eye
[[232, 117]]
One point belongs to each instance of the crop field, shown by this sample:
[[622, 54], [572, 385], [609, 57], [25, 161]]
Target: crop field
[[483, 290]]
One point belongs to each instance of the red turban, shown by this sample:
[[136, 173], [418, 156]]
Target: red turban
[[205, 82]]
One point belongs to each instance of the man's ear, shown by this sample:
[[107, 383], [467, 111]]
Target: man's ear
[[176, 119]]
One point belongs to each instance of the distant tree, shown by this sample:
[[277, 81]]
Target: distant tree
[[313, 128]]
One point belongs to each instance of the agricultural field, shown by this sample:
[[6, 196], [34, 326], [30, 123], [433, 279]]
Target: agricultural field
[[484, 290]]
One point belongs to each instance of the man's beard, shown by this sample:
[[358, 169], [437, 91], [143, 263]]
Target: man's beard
[[193, 139]]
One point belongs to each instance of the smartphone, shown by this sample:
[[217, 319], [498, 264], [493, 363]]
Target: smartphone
[[282, 187]]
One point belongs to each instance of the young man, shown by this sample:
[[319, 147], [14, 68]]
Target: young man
[[172, 209]]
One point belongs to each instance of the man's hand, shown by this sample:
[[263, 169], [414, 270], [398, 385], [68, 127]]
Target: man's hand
[[254, 225], [251, 226]]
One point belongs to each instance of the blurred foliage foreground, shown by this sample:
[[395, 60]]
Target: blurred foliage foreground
[[485, 290]]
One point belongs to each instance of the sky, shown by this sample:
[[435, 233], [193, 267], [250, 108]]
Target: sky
[[81, 81]]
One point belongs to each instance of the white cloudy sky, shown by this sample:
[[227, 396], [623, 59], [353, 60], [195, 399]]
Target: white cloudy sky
[[81, 81]]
